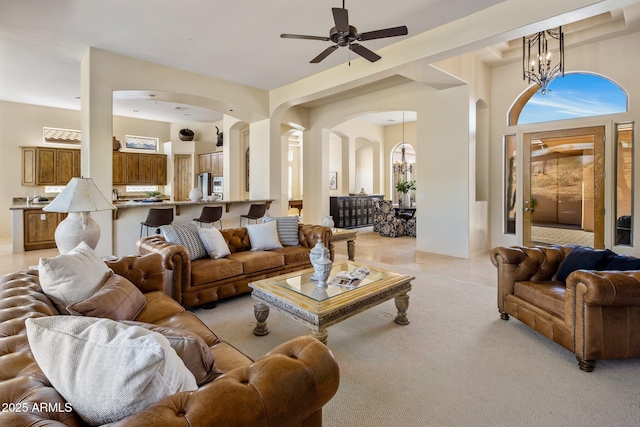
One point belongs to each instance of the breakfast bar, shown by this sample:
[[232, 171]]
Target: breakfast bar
[[127, 216]]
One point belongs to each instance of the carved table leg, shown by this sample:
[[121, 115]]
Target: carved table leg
[[351, 249], [321, 335], [332, 250], [402, 304], [261, 312]]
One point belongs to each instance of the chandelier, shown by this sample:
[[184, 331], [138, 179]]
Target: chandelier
[[539, 68], [402, 167]]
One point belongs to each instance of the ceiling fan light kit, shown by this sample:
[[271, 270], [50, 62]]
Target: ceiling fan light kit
[[347, 35]]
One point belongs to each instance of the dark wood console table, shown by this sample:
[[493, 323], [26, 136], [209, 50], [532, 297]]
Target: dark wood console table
[[352, 211]]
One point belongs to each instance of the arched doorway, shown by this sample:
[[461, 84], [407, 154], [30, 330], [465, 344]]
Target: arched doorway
[[403, 168]]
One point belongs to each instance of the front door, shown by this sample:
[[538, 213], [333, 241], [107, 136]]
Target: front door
[[563, 185]]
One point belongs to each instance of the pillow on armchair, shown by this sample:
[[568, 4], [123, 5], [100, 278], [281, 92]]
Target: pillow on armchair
[[580, 258]]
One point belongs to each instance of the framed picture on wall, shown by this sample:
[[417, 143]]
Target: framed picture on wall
[[141, 142], [333, 180]]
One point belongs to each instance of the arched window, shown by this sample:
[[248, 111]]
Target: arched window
[[573, 96]]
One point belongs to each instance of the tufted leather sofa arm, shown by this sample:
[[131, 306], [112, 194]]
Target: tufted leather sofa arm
[[174, 258], [146, 272], [260, 394], [606, 288], [310, 235]]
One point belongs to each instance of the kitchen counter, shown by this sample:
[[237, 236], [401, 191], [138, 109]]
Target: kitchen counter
[[125, 204], [130, 213]]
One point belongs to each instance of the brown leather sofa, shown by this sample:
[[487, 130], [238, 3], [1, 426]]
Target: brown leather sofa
[[206, 280], [594, 314], [288, 387]]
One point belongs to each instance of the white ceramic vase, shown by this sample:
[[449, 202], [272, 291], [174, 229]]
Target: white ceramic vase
[[328, 221], [195, 195]]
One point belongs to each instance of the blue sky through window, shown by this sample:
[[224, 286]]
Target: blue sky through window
[[572, 96]]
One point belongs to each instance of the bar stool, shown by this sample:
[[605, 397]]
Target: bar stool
[[157, 217], [255, 212], [209, 215]]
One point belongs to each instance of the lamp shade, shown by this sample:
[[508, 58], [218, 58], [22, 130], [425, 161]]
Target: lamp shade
[[80, 195], [78, 198]]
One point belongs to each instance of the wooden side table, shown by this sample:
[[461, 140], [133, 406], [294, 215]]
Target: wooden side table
[[342, 235]]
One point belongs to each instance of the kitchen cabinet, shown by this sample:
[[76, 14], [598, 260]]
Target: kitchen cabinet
[[119, 168], [39, 228], [49, 166], [211, 162], [139, 169], [216, 164]]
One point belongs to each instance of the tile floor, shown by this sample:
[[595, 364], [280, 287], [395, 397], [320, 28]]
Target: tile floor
[[563, 236]]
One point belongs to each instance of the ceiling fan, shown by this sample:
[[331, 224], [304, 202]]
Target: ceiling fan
[[344, 34]]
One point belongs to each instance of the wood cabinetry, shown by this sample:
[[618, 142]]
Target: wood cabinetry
[[49, 166], [119, 166], [39, 229], [352, 211], [139, 169], [211, 162]]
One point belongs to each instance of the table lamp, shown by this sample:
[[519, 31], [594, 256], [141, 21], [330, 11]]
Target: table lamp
[[80, 197]]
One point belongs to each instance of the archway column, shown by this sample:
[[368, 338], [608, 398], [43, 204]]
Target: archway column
[[96, 153], [232, 157], [316, 175]]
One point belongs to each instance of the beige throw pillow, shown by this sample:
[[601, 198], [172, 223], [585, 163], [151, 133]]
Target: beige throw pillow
[[117, 299], [105, 369], [72, 277], [214, 242], [190, 347], [264, 236]]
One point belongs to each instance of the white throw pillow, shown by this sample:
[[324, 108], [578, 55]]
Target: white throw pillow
[[72, 277], [287, 229], [106, 370], [214, 242], [264, 236]]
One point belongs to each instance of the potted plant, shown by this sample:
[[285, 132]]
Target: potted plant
[[403, 187], [154, 195]]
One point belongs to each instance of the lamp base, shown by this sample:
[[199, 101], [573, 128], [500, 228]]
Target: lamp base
[[75, 228]]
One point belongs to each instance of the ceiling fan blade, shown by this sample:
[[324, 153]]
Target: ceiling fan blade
[[380, 34], [364, 52], [299, 36], [341, 18], [324, 54]]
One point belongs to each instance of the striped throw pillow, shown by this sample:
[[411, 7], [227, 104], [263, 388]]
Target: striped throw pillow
[[287, 229], [187, 236]]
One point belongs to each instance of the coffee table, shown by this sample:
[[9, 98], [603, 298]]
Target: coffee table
[[297, 296]]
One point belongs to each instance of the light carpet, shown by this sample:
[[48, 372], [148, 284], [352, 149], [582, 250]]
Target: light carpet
[[456, 364]]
